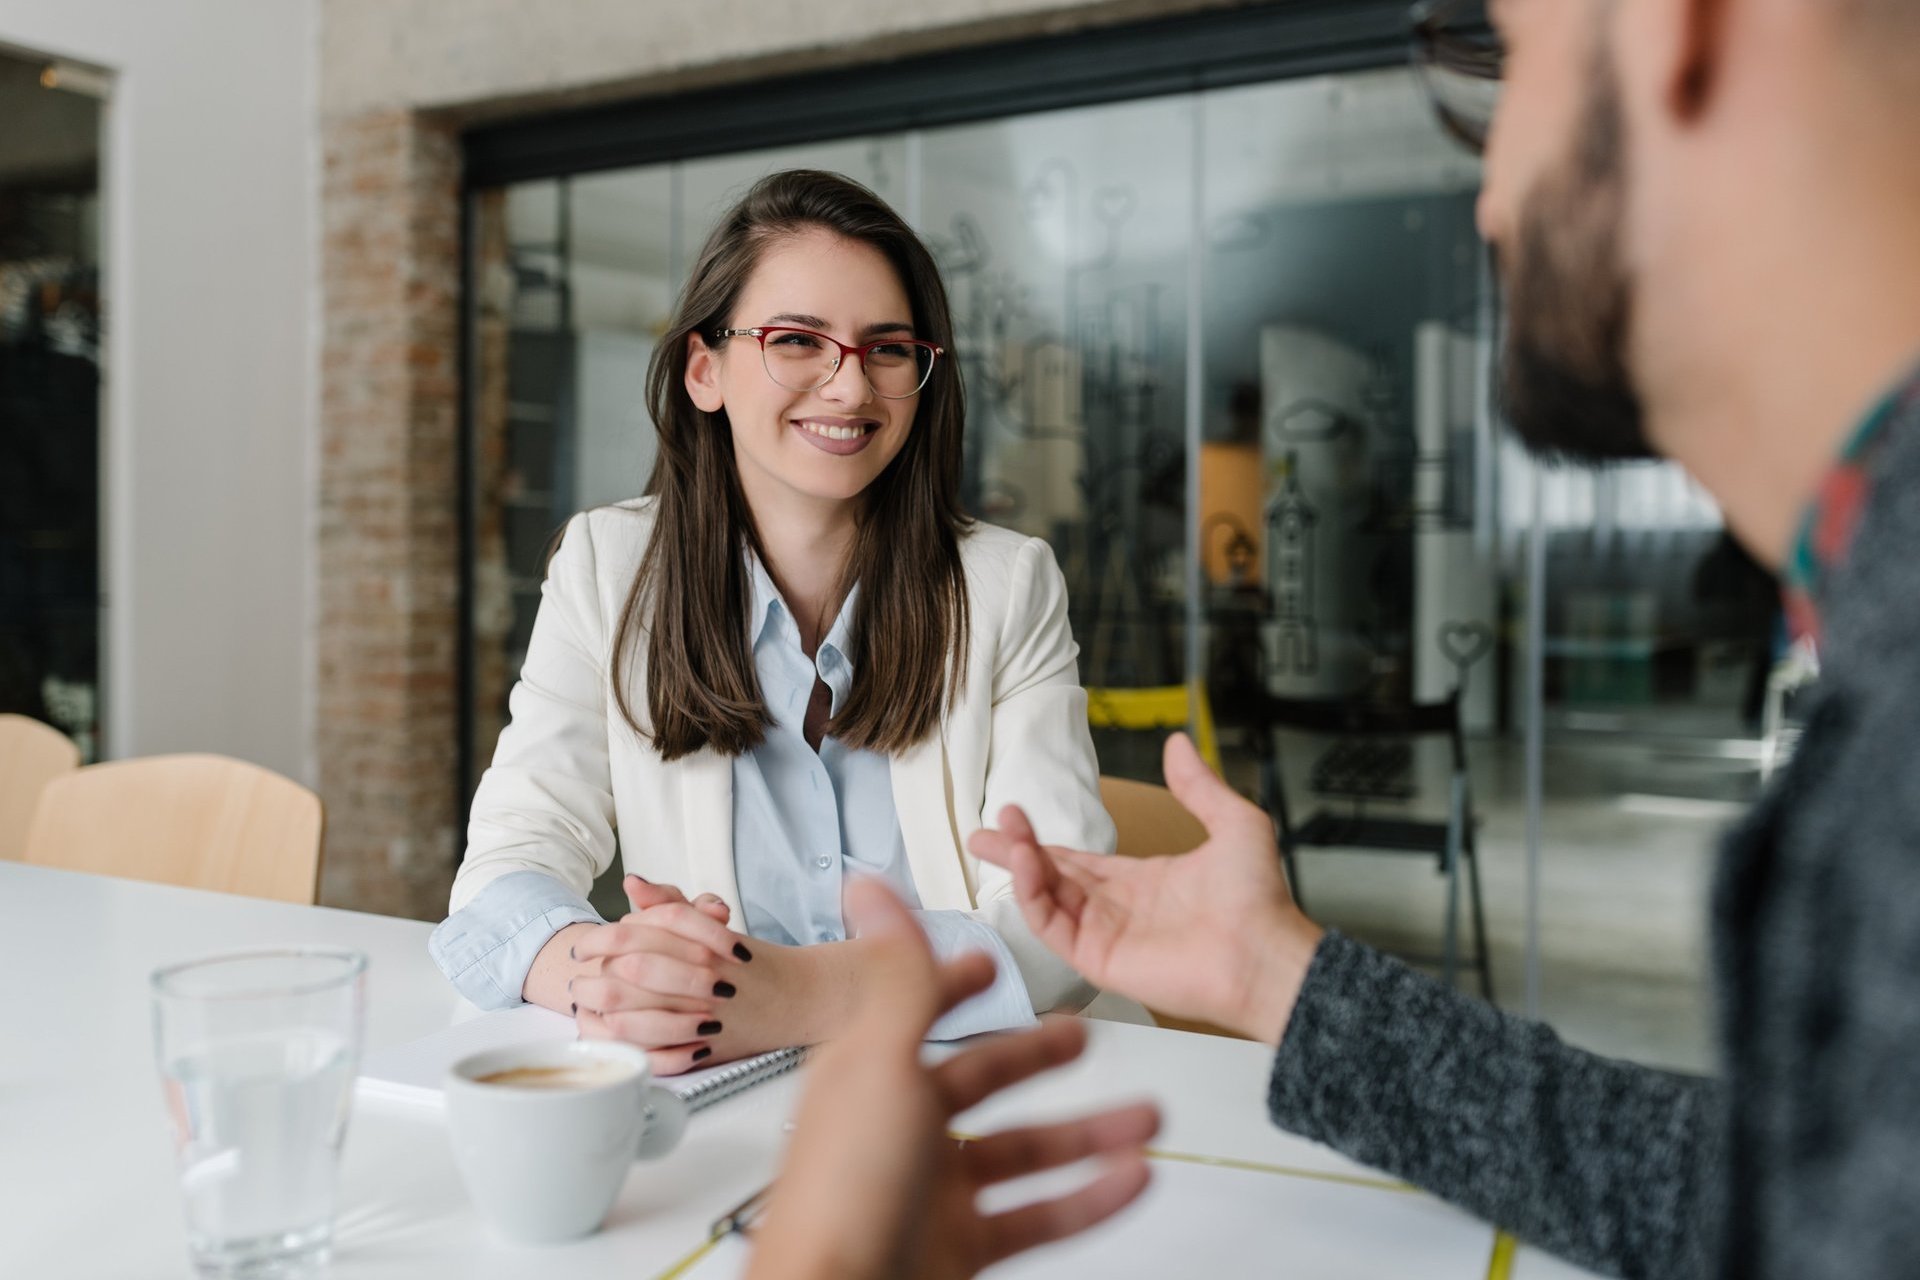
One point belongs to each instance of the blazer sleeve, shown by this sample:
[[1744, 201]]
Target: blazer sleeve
[[546, 803], [1040, 757]]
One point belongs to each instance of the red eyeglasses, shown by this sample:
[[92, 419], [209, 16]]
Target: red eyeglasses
[[803, 360]]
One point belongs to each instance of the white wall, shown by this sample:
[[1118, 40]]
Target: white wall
[[211, 197], [382, 54]]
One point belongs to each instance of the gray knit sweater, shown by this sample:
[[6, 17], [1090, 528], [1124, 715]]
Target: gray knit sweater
[[1804, 1161]]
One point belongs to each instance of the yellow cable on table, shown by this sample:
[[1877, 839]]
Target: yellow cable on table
[[1285, 1171], [692, 1260], [1500, 1265]]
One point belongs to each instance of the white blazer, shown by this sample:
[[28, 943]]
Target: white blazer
[[569, 775]]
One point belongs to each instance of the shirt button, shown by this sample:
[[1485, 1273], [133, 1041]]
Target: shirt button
[[823, 862], [827, 935]]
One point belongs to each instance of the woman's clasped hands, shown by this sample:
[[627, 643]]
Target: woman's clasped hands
[[665, 976], [671, 977]]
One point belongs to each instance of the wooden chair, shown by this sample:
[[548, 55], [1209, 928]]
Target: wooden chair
[[31, 755], [1152, 824], [205, 822]]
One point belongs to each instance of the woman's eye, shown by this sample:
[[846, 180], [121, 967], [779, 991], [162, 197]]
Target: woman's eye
[[894, 351], [795, 340]]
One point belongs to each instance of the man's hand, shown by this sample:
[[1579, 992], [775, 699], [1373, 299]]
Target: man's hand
[[873, 1188], [1212, 934]]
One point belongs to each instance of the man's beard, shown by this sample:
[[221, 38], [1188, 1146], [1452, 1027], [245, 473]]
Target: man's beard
[[1566, 390]]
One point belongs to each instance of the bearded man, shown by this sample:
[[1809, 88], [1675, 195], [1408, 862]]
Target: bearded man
[[1707, 218]]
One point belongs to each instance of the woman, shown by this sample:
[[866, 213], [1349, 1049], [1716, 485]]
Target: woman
[[794, 659]]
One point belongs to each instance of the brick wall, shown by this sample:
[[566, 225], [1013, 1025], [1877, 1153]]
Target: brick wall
[[388, 537]]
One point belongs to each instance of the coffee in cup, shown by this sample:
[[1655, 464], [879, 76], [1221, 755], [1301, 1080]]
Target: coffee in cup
[[545, 1135], [585, 1075]]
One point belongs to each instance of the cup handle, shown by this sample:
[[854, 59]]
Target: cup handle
[[666, 1119]]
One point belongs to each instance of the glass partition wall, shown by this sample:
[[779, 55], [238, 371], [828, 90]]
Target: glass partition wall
[[1230, 353], [50, 362]]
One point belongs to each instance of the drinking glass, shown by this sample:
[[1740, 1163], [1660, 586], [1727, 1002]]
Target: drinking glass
[[257, 1055]]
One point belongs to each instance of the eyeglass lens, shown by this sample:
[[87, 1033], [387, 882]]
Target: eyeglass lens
[[801, 361]]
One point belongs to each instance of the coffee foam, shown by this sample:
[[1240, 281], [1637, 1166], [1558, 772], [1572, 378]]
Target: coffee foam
[[572, 1075]]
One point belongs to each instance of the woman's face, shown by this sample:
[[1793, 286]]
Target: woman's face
[[830, 443]]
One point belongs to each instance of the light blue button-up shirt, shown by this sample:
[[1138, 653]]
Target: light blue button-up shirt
[[802, 822]]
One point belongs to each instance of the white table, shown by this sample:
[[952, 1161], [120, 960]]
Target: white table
[[87, 1184]]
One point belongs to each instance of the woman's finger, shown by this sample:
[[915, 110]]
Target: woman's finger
[[679, 1058], [643, 893], [638, 932], [641, 938], [668, 975], [670, 1060], [690, 922], [613, 995], [656, 1029]]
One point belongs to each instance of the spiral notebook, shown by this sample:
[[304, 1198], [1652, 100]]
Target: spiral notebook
[[411, 1073]]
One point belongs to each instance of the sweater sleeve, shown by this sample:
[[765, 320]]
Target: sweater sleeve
[[1613, 1166]]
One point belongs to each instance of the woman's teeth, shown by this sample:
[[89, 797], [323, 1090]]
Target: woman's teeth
[[833, 433]]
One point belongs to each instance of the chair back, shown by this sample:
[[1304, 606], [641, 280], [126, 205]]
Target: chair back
[[204, 822], [31, 755], [1151, 823]]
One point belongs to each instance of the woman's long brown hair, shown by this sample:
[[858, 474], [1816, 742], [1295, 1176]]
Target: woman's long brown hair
[[691, 595]]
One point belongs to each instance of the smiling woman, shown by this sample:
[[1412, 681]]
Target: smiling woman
[[783, 665]]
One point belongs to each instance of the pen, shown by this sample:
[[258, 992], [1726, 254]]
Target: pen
[[741, 1216]]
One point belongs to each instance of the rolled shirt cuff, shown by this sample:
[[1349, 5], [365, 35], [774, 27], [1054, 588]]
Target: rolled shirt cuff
[[487, 947], [1005, 1004]]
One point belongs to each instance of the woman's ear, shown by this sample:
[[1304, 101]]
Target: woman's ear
[[703, 375]]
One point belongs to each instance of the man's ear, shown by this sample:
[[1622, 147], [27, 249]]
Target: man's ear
[[1699, 46], [703, 375]]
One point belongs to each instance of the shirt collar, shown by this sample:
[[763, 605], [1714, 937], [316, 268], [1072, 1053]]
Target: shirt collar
[[1828, 526], [769, 609]]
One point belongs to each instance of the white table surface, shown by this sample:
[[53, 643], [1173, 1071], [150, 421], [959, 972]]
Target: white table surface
[[87, 1184]]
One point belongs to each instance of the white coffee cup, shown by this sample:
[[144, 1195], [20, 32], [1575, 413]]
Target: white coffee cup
[[544, 1153]]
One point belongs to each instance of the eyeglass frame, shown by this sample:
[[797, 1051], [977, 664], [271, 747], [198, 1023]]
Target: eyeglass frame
[[1432, 45], [760, 332]]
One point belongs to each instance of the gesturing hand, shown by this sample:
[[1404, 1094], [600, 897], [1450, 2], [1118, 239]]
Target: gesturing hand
[[873, 1188], [1211, 934]]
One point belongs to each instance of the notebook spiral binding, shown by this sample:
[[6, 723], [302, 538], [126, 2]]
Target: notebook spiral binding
[[741, 1076]]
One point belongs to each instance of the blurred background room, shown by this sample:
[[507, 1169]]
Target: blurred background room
[[319, 317]]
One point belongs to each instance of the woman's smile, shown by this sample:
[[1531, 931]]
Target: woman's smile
[[837, 435]]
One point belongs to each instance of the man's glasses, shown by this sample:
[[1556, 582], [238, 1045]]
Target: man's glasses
[[1458, 58], [802, 360]]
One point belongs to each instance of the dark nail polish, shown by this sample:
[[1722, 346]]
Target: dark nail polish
[[709, 1029], [571, 956], [569, 986], [574, 1009], [741, 953], [698, 1054], [725, 990]]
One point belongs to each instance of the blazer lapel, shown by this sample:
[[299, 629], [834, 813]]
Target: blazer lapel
[[706, 809], [923, 800]]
